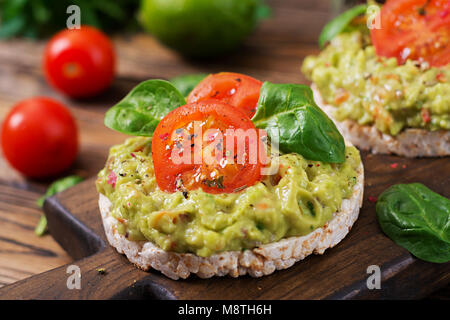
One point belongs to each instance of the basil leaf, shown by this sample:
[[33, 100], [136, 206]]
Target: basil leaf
[[338, 24], [303, 127], [417, 219], [55, 187], [141, 110], [187, 82]]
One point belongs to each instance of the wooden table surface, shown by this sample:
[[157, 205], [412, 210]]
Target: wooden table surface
[[274, 53]]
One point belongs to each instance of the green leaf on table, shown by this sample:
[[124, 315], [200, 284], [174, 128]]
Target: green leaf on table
[[54, 188], [338, 24], [186, 83], [417, 219], [303, 127], [141, 110]]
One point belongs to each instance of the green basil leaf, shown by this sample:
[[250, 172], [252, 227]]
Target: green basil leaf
[[141, 110], [417, 219], [338, 24], [303, 127], [54, 188], [187, 82]]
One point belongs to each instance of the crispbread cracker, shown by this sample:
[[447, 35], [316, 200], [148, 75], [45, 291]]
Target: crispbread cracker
[[256, 262]]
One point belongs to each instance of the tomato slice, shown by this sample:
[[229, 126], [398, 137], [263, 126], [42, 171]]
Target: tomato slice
[[237, 89], [203, 145], [414, 29]]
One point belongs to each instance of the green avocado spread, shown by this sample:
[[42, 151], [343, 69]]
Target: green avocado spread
[[300, 198], [374, 90]]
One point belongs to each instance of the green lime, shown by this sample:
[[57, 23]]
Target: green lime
[[200, 28]]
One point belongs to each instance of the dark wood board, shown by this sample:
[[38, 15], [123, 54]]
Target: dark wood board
[[341, 273]]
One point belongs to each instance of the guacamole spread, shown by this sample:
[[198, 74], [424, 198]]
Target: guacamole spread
[[300, 198], [377, 91]]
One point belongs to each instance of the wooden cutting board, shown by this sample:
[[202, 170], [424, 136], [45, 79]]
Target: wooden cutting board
[[341, 273]]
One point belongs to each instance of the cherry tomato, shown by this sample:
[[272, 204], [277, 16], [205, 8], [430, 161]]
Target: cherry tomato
[[190, 149], [79, 62], [39, 137], [414, 29], [239, 90]]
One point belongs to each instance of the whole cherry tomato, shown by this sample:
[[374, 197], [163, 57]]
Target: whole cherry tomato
[[79, 62], [39, 137]]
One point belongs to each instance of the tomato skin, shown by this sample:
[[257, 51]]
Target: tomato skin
[[79, 62], [414, 29], [39, 137], [237, 89], [223, 116]]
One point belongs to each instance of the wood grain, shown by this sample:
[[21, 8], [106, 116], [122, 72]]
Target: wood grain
[[274, 52], [21, 253]]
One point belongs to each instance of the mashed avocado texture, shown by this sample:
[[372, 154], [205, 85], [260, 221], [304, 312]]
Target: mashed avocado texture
[[377, 91], [301, 197]]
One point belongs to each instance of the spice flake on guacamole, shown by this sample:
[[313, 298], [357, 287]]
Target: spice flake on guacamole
[[300, 198], [374, 90]]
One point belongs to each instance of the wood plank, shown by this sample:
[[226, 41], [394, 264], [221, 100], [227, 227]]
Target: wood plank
[[22, 253]]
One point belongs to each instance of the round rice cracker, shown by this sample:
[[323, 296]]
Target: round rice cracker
[[256, 262]]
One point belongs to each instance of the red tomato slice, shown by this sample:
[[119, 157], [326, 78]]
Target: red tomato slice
[[237, 89], [192, 149], [414, 29]]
